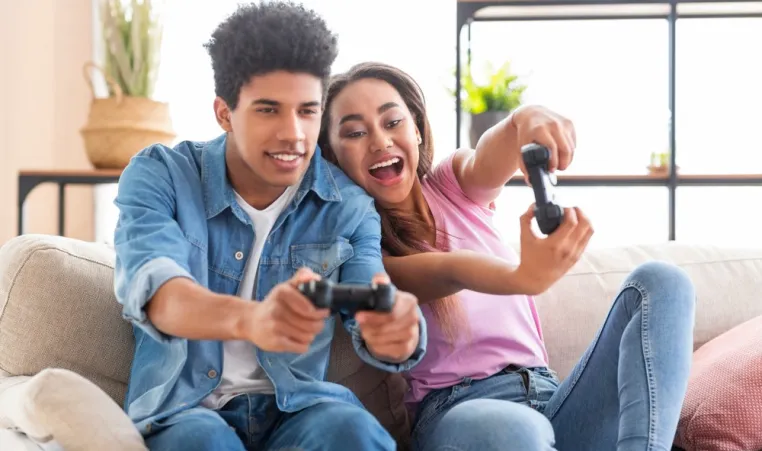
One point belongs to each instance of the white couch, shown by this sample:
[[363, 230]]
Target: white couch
[[57, 311]]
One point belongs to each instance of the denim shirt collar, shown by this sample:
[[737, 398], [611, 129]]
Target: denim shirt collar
[[218, 192]]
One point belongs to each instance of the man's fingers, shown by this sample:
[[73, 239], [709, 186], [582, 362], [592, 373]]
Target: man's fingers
[[303, 275], [403, 304], [301, 332], [298, 324], [298, 304], [389, 326], [381, 279]]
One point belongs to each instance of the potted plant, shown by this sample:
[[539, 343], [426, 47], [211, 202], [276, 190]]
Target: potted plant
[[492, 102], [128, 119], [660, 163]]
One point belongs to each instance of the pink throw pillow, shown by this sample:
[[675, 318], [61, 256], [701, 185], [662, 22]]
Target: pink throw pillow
[[723, 406]]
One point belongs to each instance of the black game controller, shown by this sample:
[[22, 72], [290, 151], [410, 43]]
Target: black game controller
[[549, 215], [349, 298]]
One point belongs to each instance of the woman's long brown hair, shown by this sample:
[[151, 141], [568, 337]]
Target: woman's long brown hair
[[401, 232]]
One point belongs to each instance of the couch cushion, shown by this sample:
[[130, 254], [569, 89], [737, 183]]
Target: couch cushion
[[54, 407], [58, 310], [723, 406], [728, 285]]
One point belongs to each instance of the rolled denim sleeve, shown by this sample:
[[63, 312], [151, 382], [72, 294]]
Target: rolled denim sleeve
[[150, 246], [366, 263]]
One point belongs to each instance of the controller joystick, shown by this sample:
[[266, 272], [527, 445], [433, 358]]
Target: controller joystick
[[549, 215], [349, 298]]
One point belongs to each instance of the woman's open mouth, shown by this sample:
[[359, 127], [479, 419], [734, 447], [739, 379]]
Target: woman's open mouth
[[387, 172]]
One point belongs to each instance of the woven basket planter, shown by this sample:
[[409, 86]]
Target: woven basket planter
[[120, 126]]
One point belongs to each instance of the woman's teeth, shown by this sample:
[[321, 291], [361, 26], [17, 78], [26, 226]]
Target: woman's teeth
[[386, 163]]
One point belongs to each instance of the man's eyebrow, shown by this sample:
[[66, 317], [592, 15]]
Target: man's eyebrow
[[270, 102], [358, 117], [265, 102]]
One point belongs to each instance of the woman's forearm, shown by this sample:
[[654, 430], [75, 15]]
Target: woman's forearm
[[435, 275], [425, 275]]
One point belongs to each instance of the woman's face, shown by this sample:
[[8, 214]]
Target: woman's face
[[375, 139]]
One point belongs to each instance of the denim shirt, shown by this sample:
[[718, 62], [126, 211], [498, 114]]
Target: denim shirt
[[178, 217]]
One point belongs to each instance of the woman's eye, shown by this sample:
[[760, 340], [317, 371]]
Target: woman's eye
[[354, 134], [394, 123]]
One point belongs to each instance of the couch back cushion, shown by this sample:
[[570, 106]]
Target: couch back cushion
[[58, 310], [727, 280]]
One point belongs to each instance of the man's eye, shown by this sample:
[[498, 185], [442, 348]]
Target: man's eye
[[266, 110]]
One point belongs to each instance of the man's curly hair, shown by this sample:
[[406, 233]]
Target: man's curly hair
[[262, 38]]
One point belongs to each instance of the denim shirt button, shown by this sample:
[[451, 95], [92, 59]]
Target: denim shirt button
[[239, 255], [212, 374]]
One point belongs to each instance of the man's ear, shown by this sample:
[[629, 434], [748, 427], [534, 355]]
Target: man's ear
[[222, 113]]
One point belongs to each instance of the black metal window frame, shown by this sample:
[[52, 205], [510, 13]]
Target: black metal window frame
[[466, 15]]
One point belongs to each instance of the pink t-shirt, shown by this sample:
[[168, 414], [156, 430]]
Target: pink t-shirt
[[500, 330]]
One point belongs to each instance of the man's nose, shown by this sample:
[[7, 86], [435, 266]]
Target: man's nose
[[291, 129]]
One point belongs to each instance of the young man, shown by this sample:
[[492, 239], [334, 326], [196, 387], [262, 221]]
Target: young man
[[206, 228]]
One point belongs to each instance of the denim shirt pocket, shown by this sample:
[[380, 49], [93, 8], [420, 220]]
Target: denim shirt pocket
[[322, 258]]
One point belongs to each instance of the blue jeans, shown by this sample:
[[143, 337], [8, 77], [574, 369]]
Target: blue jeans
[[253, 422], [624, 394]]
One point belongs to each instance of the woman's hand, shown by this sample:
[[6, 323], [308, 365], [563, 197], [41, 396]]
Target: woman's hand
[[545, 260], [537, 124], [482, 173]]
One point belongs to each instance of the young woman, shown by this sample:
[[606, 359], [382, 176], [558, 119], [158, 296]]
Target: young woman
[[484, 383]]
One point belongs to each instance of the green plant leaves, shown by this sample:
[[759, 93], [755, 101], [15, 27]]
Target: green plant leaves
[[132, 33], [501, 93]]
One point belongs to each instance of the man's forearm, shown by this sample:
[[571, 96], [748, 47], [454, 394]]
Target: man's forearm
[[182, 308]]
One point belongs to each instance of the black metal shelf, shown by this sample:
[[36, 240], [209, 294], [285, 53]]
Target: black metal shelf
[[468, 12]]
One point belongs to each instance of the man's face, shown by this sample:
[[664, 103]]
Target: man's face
[[274, 127]]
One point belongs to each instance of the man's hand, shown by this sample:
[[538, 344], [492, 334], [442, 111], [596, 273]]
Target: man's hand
[[545, 260], [285, 321], [537, 124], [391, 337]]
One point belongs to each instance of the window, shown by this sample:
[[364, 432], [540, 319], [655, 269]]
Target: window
[[614, 88], [718, 96]]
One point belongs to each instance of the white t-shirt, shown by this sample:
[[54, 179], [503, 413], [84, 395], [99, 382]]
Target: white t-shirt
[[240, 371]]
